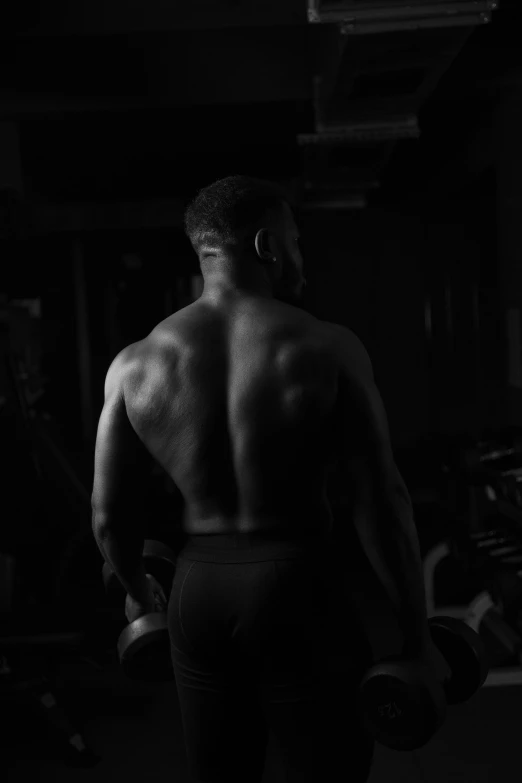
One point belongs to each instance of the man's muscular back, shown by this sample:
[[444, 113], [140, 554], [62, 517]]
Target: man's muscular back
[[237, 405]]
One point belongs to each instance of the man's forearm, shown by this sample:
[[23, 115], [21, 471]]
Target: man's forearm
[[121, 545], [389, 539]]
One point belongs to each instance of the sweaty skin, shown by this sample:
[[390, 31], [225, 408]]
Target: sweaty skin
[[237, 404]]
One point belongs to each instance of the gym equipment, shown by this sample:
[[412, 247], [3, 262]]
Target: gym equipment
[[450, 582], [505, 586], [502, 642], [159, 560], [143, 645], [144, 649], [490, 541], [495, 613], [404, 705], [501, 561], [489, 550]]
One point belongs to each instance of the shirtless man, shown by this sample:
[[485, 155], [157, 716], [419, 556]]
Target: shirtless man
[[247, 402]]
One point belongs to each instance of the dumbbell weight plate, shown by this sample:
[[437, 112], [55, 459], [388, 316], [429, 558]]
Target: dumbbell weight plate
[[402, 705], [465, 653], [144, 649]]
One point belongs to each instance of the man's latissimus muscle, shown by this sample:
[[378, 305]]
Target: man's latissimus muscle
[[242, 418]]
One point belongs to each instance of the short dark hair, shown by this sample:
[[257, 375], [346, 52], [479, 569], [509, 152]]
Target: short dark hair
[[225, 212]]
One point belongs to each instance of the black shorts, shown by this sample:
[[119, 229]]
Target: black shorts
[[258, 627]]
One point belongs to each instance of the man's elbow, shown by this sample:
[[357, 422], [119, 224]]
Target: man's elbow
[[102, 510], [101, 520], [99, 524]]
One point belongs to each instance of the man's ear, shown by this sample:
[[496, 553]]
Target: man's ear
[[263, 249]]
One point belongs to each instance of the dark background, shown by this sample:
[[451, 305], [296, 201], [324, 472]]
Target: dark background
[[402, 148]]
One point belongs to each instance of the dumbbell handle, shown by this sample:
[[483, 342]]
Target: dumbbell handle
[[156, 554], [161, 606], [159, 594]]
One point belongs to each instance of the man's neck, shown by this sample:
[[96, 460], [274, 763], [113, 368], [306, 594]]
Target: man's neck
[[227, 291]]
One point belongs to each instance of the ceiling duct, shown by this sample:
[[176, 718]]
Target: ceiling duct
[[357, 17], [346, 131], [366, 108], [330, 185]]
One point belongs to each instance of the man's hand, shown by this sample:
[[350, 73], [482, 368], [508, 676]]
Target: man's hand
[[153, 601]]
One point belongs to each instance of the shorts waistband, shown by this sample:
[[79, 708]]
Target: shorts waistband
[[250, 547]]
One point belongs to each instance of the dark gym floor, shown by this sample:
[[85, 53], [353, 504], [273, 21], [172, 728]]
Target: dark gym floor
[[138, 735]]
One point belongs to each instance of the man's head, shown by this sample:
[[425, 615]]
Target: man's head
[[246, 238]]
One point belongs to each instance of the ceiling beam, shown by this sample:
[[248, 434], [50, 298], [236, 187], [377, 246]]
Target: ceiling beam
[[51, 18]]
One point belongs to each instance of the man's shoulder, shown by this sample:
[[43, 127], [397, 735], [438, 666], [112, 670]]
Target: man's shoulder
[[125, 367], [349, 348], [342, 332], [127, 358]]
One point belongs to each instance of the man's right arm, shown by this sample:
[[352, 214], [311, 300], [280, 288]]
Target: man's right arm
[[383, 514]]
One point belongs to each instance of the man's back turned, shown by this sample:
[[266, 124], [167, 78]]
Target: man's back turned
[[236, 401]]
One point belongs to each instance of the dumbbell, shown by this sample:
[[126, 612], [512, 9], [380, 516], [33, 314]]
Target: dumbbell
[[403, 704], [143, 645]]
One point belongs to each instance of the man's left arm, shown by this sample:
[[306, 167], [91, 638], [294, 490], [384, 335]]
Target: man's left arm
[[118, 521]]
